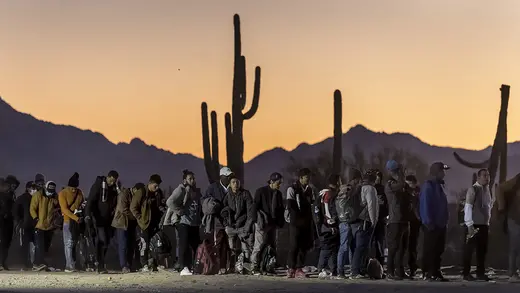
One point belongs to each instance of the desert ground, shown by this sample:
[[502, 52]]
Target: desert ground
[[165, 281]]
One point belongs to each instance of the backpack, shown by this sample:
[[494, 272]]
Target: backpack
[[159, 244], [267, 260], [205, 259], [348, 205]]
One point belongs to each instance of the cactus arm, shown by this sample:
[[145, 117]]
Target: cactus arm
[[229, 139], [256, 96], [214, 145], [338, 133], [206, 144], [469, 164]]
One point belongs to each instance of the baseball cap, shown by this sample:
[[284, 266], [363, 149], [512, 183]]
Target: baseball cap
[[225, 171], [392, 165], [275, 177], [437, 167]]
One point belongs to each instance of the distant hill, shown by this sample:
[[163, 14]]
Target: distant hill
[[30, 145]]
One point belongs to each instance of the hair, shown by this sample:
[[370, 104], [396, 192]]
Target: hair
[[304, 172], [155, 178], [186, 173], [333, 179], [355, 174], [113, 174], [479, 173], [411, 178], [369, 176]]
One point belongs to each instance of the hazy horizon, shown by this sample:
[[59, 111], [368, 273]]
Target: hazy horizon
[[141, 69]]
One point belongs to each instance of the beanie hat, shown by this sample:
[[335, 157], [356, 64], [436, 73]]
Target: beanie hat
[[11, 180], [74, 180], [39, 179]]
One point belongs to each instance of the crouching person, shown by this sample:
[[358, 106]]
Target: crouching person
[[145, 208], [185, 211], [237, 214], [125, 224], [44, 204], [326, 220]]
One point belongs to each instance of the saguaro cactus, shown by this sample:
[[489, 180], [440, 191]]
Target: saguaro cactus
[[499, 150], [235, 121], [337, 156], [210, 148]]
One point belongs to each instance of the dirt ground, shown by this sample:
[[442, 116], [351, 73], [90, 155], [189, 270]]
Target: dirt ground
[[57, 282]]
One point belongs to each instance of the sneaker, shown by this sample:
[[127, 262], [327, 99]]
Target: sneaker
[[125, 270], [394, 277], [39, 268], [340, 277], [323, 274], [438, 278], [186, 272], [357, 277], [69, 270], [468, 278], [514, 279], [222, 271], [290, 273], [300, 274], [145, 269], [89, 270], [483, 278]]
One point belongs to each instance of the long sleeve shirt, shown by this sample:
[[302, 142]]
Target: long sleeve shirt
[[370, 200]]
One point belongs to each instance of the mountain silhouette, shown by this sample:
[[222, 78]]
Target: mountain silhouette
[[31, 146]]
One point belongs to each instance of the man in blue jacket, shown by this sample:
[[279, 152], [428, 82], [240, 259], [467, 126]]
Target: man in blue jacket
[[433, 209]]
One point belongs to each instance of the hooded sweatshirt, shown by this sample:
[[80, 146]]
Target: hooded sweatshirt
[[102, 202], [433, 204]]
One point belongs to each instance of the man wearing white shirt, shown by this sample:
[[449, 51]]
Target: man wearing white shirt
[[477, 214]]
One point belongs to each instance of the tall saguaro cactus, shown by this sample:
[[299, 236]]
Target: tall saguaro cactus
[[210, 148], [337, 156], [234, 121], [499, 150]]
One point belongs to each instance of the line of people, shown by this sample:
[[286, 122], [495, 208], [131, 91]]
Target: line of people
[[352, 221]]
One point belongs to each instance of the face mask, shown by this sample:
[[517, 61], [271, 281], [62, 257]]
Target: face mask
[[32, 191]]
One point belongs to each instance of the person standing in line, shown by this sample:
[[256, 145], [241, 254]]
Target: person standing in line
[[415, 224], [70, 199], [44, 204], [145, 207], [185, 211], [125, 224], [212, 221], [238, 220], [268, 215], [100, 209], [399, 207], [477, 215], [300, 198], [25, 224], [6, 221], [346, 242], [433, 207], [508, 203], [380, 233]]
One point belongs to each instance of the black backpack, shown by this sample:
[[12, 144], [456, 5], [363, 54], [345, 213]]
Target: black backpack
[[160, 244], [267, 260], [348, 205]]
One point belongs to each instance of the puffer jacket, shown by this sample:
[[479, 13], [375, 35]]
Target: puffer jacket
[[43, 208], [238, 210]]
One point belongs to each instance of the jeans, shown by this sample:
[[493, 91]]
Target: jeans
[[43, 241], [126, 245], [514, 246], [345, 247], [69, 246], [361, 241]]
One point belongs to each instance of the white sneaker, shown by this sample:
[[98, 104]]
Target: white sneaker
[[323, 274], [186, 272]]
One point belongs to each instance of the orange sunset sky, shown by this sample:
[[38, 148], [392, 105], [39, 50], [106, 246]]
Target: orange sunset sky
[[130, 68]]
